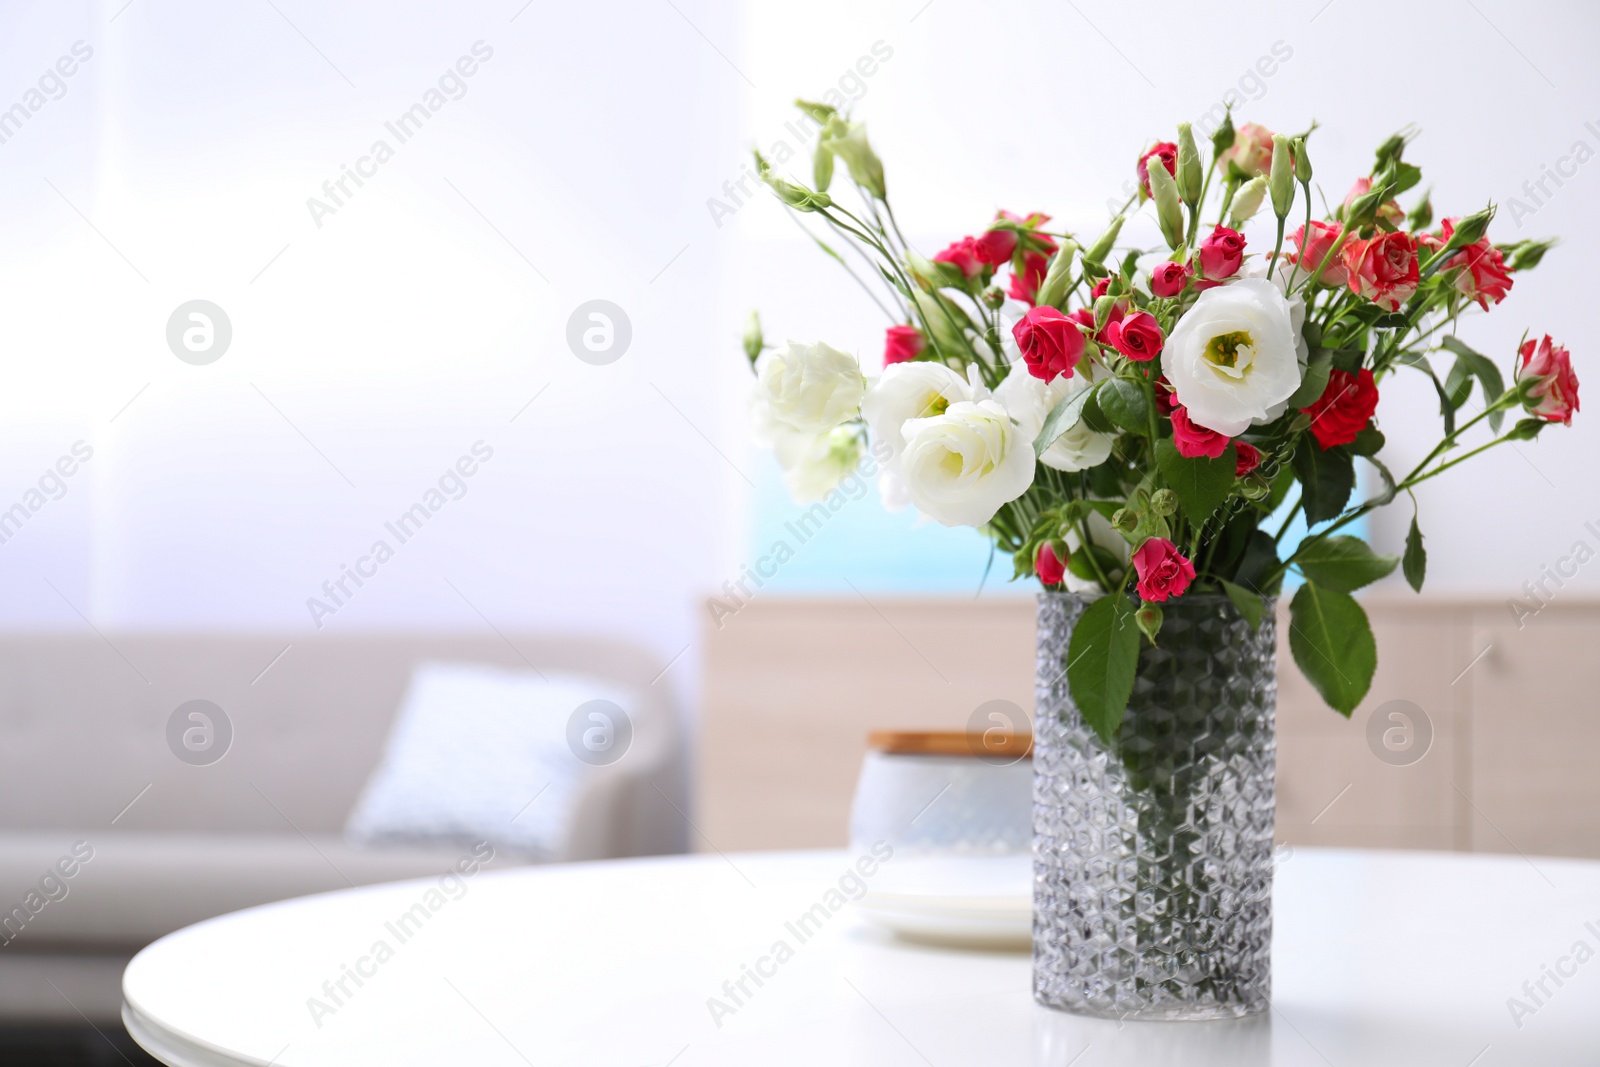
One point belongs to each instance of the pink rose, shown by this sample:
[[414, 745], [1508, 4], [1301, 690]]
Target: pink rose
[[998, 245], [1167, 153], [964, 256], [1553, 392], [1169, 279], [901, 344], [1051, 344], [1311, 254], [1166, 398], [1248, 458], [1137, 336], [1163, 571], [1221, 253], [1025, 283], [1482, 274], [1251, 151], [1048, 566], [1194, 440], [1383, 268], [1389, 209]]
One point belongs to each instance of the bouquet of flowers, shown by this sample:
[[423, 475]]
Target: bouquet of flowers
[[1125, 421]]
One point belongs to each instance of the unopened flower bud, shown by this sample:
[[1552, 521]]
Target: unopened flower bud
[[795, 195], [1254, 487], [1149, 619], [820, 112], [1247, 201], [1302, 162], [1056, 276], [1169, 209], [822, 165], [1164, 502], [849, 142], [994, 298], [1527, 255], [1124, 520], [1191, 176], [1102, 247], [1222, 139], [1471, 229], [753, 341], [1102, 311], [1281, 178], [1300, 423], [1421, 216]]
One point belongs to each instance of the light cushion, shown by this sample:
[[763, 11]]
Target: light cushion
[[483, 753]]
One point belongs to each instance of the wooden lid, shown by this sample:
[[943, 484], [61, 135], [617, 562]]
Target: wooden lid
[[951, 743]]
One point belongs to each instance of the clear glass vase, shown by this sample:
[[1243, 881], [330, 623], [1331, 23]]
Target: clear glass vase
[[1153, 855]]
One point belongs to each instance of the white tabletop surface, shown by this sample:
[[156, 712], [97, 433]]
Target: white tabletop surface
[[1378, 958]]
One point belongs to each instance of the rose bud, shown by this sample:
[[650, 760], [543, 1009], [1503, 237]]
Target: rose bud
[[1247, 201], [963, 255], [1546, 380], [1164, 151], [1312, 254], [1248, 458], [1137, 336], [1025, 283], [1163, 571], [1250, 153], [1169, 279], [1193, 440], [1389, 209], [1221, 254], [902, 344], [1048, 565], [1051, 344]]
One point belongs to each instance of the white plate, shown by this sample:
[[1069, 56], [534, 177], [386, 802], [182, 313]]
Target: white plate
[[969, 901]]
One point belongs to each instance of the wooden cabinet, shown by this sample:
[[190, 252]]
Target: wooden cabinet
[[793, 685]]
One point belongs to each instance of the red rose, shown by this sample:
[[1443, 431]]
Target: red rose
[[901, 344], [998, 244], [1137, 336], [995, 246], [1051, 344], [1163, 571], [1025, 283], [1194, 440], [1221, 254], [1248, 458], [1553, 396], [1481, 271], [1167, 152], [1310, 255], [1169, 279], [1383, 268], [1083, 317], [1048, 566], [964, 256], [1346, 405]]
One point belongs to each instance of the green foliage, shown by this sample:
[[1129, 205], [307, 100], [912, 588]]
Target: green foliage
[[1250, 605], [1201, 484], [1123, 402], [1415, 562], [1102, 658], [1343, 563], [1326, 478], [1063, 417], [1332, 643]]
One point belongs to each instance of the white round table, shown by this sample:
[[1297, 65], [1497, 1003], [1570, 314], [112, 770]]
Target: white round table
[[1378, 958]]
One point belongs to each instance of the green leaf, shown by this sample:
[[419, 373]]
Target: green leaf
[[1250, 605], [1332, 643], [1526, 430], [1482, 368], [1123, 402], [1415, 562], [1369, 442], [1078, 563], [1315, 383], [1063, 417], [1458, 384], [1102, 658], [1343, 563], [1096, 419], [1326, 479], [1201, 483], [1389, 486], [1260, 559]]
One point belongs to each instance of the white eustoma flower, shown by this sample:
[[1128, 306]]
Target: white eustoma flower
[[1029, 401], [915, 390], [961, 466], [805, 389], [1233, 356], [815, 464]]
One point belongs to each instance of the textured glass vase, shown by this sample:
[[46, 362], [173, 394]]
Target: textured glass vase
[[1152, 890]]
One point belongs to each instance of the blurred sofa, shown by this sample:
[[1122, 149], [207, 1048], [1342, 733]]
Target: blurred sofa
[[109, 839]]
